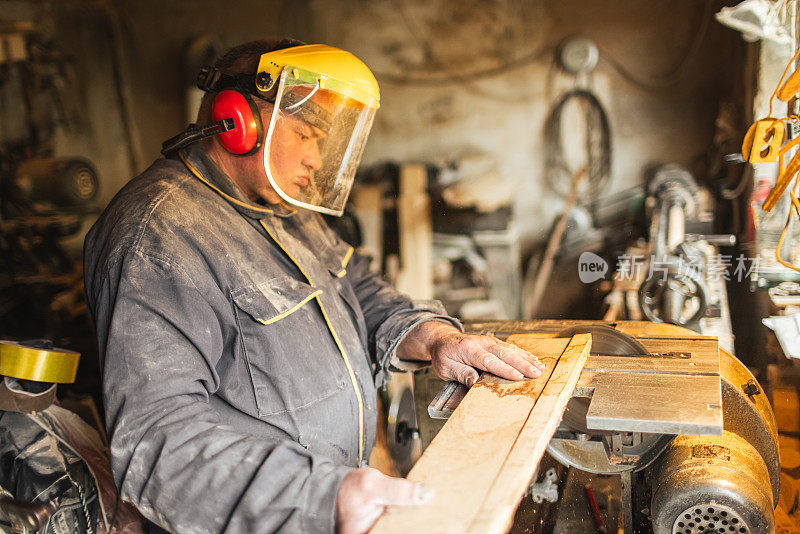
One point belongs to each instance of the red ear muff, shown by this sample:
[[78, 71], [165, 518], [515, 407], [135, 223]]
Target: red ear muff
[[248, 133]]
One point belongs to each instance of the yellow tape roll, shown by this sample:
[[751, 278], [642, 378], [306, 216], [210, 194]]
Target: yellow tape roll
[[55, 365]]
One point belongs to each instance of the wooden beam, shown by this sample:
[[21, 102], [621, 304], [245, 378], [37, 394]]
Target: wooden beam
[[497, 511], [472, 457], [415, 233], [367, 200]]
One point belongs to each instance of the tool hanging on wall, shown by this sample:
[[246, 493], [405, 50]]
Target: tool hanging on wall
[[578, 119], [768, 141], [598, 144]]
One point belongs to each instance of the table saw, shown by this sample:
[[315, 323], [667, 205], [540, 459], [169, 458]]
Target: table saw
[[683, 423]]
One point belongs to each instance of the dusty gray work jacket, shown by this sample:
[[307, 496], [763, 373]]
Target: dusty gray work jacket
[[241, 348]]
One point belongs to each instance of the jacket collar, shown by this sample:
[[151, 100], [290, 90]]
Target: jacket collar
[[203, 168]]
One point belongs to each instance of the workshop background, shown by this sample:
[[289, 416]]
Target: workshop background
[[469, 171], [467, 88]]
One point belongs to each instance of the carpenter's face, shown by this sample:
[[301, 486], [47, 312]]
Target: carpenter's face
[[294, 153], [294, 156]]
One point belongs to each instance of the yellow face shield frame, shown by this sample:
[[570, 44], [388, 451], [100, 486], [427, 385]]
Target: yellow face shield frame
[[338, 71]]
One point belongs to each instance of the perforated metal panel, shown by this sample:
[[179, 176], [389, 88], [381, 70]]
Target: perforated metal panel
[[710, 518]]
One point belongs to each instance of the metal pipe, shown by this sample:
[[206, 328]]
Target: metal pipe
[[676, 226]]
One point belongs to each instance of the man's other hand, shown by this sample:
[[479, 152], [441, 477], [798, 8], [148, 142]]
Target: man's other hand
[[458, 356], [364, 494]]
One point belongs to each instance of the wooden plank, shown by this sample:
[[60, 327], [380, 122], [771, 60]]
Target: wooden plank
[[497, 511], [367, 201], [615, 302], [464, 458], [415, 233], [632, 303]]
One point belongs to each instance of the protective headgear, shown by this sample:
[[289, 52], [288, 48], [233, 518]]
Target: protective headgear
[[236, 119], [235, 116], [324, 103]]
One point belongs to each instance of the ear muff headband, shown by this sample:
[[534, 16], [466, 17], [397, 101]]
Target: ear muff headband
[[248, 134]]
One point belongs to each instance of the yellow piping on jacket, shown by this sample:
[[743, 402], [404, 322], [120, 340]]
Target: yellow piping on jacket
[[220, 191], [345, 261], [352, 374], [292, 309]]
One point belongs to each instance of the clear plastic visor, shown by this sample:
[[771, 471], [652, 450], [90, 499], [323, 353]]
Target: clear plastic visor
[[315, 139]]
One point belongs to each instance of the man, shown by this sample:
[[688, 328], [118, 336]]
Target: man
[[242, 341]]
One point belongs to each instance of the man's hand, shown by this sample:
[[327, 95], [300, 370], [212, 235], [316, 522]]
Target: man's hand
[[364, 494], [457, 356]]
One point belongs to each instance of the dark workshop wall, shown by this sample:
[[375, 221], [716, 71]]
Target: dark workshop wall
[[656, 120], [407, 43]]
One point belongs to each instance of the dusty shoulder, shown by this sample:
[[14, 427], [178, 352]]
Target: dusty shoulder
[[165, 180], [155, 203]]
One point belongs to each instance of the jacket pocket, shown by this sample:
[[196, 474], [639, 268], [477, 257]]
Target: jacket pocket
[[271, 301], [290, 355]]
